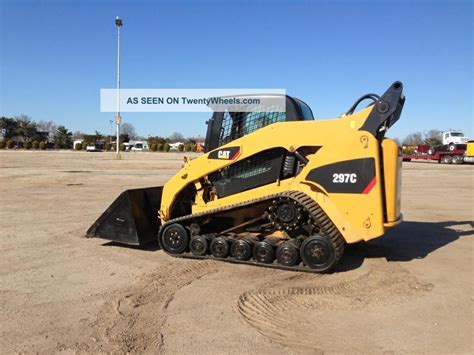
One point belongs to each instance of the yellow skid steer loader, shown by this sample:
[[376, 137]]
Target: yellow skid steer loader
[[278, 189]]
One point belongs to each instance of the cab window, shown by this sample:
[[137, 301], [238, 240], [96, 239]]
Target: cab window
[[238, 124], [306, 110]]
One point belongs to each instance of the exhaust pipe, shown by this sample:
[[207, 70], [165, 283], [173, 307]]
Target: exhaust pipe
[[132, 218]]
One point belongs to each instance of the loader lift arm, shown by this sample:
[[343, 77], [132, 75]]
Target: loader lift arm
[[386, 112]]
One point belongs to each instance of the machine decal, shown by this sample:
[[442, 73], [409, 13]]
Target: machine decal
[[350, 176], [230, 153], [344, 178], [369, 187]]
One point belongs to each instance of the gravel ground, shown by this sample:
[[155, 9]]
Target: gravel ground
[[408, 292]]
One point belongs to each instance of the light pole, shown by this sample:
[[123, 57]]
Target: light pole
[[111, 132], [118, 119]]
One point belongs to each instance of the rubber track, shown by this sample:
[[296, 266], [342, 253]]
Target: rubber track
[[318, 215]]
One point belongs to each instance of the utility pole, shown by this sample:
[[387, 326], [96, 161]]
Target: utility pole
[[118, 119]]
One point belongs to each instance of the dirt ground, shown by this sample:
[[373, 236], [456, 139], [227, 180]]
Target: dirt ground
[[408, 292]]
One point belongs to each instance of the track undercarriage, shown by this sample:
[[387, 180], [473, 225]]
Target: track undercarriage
[[288, 231]]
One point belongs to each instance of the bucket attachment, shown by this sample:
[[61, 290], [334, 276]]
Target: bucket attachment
[[132, 218]]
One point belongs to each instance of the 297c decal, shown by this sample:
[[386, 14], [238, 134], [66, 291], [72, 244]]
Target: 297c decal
[[344, 178], [355, 176]]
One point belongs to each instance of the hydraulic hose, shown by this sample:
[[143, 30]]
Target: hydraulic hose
[[373, 97]]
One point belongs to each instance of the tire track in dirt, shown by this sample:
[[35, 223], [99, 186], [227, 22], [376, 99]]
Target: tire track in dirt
[[286, 314], [131, 321]]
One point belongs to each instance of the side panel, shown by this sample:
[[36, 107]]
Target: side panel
[[392, 168], [260, 169], [347, 172], [470, 149]]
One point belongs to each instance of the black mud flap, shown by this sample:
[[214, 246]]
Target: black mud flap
[[132, 218]]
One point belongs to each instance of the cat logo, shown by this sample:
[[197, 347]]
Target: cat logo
[[230, 153], [223, 154]]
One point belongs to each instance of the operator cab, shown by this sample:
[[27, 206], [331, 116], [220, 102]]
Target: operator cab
[[224, 127]]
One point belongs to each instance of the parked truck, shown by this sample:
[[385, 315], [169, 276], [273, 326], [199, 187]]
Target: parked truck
[[443, 155], [454, 140]]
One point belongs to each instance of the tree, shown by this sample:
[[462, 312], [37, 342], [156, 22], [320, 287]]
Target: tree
[[195, 140], [128, 130], [176, 137], [62, 137], [434, 138], [9, 126], [46, 126], [156, 140], [88, 138], [42, 136], [413, 139], [26, 127], [98, 136], [124, 138], [77, 135]]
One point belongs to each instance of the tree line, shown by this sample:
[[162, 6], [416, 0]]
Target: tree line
[[23, 132], [433, 138]]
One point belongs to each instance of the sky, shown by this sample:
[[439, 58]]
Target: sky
[[55, 56]]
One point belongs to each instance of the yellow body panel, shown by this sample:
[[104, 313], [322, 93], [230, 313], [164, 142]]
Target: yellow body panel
[[361, 216], [470, 149], [392, 166]]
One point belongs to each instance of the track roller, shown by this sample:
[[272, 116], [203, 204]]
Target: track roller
[[318, 253], [220, 247], [263, 252], [199, 245], [241, 249], [288, 254], [175, 239]]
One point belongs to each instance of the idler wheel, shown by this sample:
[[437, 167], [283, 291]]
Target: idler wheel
[[175, 239], [318, 253]]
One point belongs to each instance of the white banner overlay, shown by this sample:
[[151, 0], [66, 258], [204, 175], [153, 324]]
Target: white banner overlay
[[193, 100]]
